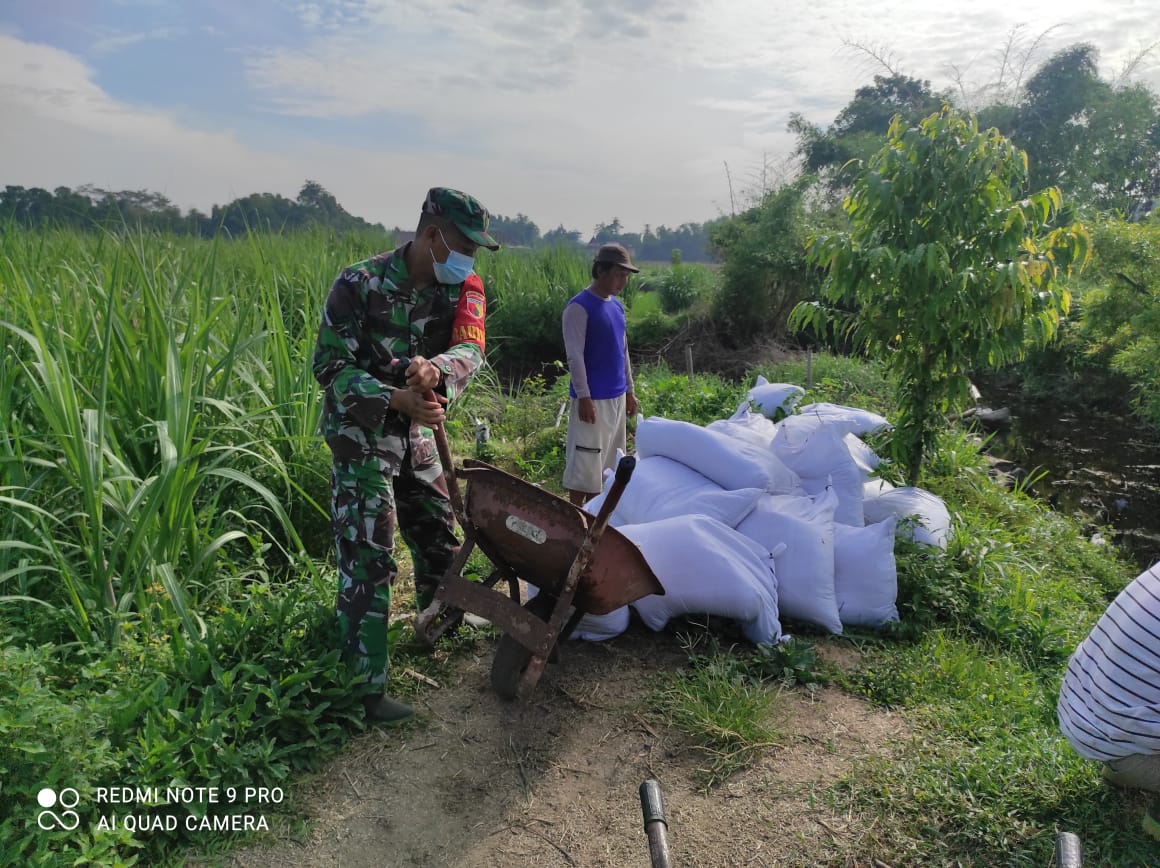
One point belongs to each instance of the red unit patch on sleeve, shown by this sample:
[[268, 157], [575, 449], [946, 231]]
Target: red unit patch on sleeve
[[467, 327]]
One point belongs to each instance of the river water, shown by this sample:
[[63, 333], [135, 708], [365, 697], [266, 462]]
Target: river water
[[1100, 466]]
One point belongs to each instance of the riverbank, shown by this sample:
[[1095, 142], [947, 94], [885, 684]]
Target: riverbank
[[1101, 465]]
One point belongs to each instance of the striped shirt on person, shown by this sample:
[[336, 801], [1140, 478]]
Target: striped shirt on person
[[1109, 702]]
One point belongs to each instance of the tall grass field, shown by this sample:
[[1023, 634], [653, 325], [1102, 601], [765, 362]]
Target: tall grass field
[[166, 585]]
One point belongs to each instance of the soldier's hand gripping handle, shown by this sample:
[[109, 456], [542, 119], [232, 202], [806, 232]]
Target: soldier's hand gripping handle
[[426, 408], [402, 363]]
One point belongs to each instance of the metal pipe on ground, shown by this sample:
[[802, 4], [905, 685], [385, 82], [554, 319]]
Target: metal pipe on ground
[[1068, 853], [652, 806]]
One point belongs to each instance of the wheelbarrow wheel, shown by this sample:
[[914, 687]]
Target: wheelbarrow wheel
[[511, 658]]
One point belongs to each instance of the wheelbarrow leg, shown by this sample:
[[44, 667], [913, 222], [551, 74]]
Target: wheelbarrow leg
[[437, 619], [512, 659], [561, 612]]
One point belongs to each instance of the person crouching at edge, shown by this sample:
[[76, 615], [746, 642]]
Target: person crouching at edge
[[1109, 700]]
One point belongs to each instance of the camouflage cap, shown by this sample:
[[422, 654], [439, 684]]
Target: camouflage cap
[[464, 211]]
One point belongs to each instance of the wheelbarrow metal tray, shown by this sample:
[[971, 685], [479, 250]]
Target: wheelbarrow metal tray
[[538, 536]]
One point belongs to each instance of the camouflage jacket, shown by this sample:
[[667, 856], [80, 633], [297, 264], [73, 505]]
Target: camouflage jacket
[[373, 314]]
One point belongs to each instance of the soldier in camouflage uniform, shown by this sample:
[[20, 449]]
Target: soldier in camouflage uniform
[[423, 301]]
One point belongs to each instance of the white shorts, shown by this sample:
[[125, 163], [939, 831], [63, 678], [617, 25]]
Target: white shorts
[[591, 448]]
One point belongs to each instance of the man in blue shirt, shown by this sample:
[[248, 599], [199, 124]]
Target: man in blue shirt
[[601, 389]]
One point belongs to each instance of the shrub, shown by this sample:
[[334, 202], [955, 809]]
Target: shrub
[[764, 272], [263, 696], [53, 737], [682, 285], [526, 295]]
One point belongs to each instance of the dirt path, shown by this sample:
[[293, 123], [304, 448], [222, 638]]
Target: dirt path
[[554, 782]]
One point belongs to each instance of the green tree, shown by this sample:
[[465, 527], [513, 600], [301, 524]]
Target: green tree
[[1097, 142], [260, 212], [560, 235], [611, 233], [518, 231], [1120, 311], [318, 200], [860, 128], [947, 266]]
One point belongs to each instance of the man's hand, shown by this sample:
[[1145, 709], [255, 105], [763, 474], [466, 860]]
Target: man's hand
[[411, 403], [587, 410], [630, 405], [422, 374]]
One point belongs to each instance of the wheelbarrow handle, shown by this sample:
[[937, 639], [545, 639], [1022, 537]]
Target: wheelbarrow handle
[[624, 470], [444, 448]]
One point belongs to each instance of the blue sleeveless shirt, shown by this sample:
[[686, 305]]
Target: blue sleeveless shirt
[[603, 346]]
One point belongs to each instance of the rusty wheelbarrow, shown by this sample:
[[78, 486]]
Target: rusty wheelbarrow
[[577, 562]]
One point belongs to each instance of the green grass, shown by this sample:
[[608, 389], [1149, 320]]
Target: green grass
[[645, 304], [725, 717], [726, 701], [166, 588]]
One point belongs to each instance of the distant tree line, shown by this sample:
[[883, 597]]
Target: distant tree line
[[89, 207], [690, 240]]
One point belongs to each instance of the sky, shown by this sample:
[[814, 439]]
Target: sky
[[572, 112]]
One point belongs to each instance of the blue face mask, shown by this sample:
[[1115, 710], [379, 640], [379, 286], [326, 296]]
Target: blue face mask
[[457, 267]]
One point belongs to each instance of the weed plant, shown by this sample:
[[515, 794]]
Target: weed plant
[[526, 295], [725, 702], [163, 490]]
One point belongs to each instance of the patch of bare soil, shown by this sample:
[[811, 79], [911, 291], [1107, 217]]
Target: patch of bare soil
[[554, 781]]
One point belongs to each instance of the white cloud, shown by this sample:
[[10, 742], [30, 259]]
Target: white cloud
[[569, 111], [60, 128], [115, 41]]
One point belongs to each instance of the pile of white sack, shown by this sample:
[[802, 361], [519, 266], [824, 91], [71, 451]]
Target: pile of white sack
[[753, 520]]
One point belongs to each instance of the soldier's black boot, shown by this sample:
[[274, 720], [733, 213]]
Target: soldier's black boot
[[384, 709]]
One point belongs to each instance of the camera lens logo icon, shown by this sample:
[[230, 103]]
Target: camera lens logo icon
[[67, 819]]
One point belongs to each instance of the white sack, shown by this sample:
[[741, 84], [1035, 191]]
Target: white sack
[[663, 488], [850, 419], [707, 567], [933, 523], [865, 574], [596, 628], [746, 425], [874, 488], [865, 457], [805, 569], [727, 461], [820, 458], [774, 400]]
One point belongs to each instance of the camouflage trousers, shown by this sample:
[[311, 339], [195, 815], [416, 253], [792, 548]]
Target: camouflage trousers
[[365, 504]]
